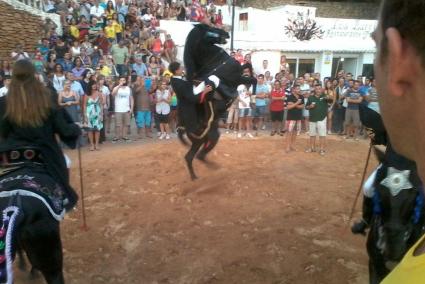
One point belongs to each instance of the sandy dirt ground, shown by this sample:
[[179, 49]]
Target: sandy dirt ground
[[263, 217]]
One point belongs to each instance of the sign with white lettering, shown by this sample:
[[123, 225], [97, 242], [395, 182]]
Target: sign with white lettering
[[346, 28]]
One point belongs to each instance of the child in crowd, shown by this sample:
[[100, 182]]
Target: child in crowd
[[162, 109]]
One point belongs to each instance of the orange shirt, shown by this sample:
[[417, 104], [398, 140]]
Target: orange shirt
[[239, 58], [157, 45]]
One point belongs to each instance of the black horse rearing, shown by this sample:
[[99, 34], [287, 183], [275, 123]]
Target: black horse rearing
[[203, 58]]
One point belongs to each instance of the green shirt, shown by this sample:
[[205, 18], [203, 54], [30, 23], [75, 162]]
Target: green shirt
[[95, 30], [320, 111], [119, 54]]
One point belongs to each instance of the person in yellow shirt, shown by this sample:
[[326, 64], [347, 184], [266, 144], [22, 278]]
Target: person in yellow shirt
[[167, 73], [106, 67], [109, 10], [400, 78], [73, 29], [117, 26], [105, 70], [411, 270], [110, 32]]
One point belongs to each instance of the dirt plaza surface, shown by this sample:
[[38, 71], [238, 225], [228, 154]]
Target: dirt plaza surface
[[263, 216]]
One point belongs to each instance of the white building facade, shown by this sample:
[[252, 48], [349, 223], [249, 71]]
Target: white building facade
[[345, 43]]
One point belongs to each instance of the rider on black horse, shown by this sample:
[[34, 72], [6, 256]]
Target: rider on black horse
[[29, 121], [189, 97]]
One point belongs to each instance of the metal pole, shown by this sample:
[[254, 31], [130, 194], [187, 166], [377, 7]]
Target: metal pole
[[337, 66], [233, 25]]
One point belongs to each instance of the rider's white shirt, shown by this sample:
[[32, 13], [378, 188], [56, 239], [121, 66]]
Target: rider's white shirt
[[3, 91]]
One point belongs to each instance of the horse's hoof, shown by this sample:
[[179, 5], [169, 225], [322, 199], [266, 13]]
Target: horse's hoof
[[194, 177], [200, 158], [207, 163]]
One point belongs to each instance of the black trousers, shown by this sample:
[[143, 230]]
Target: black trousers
[[338, 120]]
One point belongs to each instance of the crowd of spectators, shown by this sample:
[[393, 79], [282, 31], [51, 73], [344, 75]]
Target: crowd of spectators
[[109, 66], [305, 104]]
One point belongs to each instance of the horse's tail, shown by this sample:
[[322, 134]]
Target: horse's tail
[[7, 232], [181, 135]]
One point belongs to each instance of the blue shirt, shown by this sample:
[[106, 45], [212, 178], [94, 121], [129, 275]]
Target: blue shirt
[[264, 88], [78, 72], [77, 88], [364, 90], [140, 69], [148, 84], [352, 94], [122, 12], [67, 66], [44, 51]]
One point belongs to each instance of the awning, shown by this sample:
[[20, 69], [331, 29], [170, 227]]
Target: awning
[[274, 40]]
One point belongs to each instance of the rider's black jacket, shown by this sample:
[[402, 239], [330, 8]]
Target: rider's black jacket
[[43, 138]]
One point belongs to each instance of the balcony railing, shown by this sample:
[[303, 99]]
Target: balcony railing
[[37, 4], [35, 7]]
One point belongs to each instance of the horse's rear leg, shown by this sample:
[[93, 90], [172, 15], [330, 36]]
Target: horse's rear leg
[[22, 263], [212, 141], [41, 240], [189, 158]]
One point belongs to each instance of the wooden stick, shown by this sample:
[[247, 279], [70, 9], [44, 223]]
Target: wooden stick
[[353, 208], [84, 227]]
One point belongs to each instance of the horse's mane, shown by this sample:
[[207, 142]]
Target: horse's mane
[[193, 39], [196, 51]]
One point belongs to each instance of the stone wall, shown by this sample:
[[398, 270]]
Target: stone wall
[[17, 26], [348, 10]]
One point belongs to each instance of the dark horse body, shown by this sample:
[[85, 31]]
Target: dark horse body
[[393, 205], [203, 58], [35, 230], [398, 219]]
